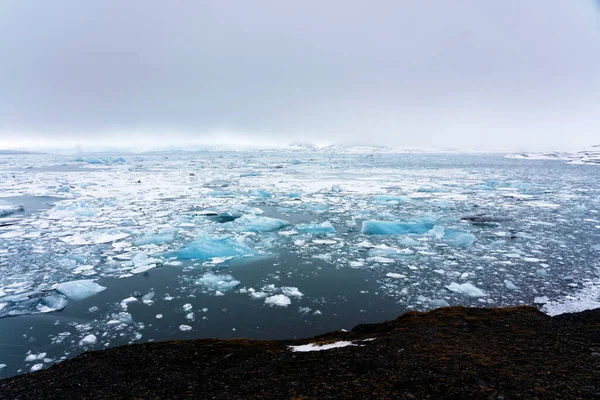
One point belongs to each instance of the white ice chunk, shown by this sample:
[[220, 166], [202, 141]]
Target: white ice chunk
[[36, 367], [279, 300], [395, 276], [79, 290], [88, 340], [291, 291], [217, 282], [466, 289]]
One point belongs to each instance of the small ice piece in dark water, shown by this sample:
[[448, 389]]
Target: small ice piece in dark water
[[279, 300], [304, 310], [88, 340], [79, 290]]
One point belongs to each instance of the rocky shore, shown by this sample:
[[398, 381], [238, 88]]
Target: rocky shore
[[447, 353]]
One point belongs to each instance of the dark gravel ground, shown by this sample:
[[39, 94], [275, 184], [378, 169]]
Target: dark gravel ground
[[448, 353]]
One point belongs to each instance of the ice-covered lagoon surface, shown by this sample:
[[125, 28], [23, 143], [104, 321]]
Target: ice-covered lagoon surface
[[109, 250]]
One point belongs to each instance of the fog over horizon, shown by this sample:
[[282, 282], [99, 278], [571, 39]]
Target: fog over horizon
[[494, 75]]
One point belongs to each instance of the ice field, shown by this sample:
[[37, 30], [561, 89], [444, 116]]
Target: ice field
[[104, 250]]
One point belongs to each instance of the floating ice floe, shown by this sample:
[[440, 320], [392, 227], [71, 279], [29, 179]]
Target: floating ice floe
[[510, 286], [205, 247], [458, 238], [79, 290], [279, 300], [253, 223], [587, 298], [88, 340], [36, 367], [162, 237], [396, 228], [466, 289], [31, 303], [217, 282], [291, 291], [316, 229], [95, 237]]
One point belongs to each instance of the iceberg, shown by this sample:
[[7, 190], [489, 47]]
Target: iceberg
[[466, 289], [316, 229], [396, 228], [79, 290], [206, 247]]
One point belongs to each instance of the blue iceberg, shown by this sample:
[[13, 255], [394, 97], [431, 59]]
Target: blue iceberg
[[206, 247], [397, 228]]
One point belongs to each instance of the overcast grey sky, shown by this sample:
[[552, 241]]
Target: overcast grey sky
[[505, 73]]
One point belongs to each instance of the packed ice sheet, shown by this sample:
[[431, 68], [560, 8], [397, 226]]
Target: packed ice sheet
[[430, 231]]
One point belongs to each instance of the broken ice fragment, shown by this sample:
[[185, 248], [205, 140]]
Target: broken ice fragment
[[217, 282], [291, 291], [253, 223], [458, 238], [316, 229], [278, 300], [206, 247], [466, 289], [396, 228], [88, 340], [79, 290]]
